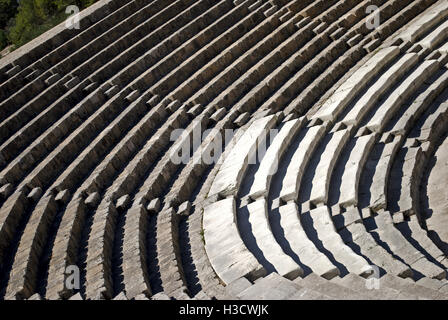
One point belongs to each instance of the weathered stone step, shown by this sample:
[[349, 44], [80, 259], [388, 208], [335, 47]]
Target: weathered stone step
[[375, 92], [309, 139], [402, 248], [318, 223], [271, 160], [372, 288], [399, 96], [353, 86], [225, 248], [297, 240], [425, 21], [254, 221], [232, 171]]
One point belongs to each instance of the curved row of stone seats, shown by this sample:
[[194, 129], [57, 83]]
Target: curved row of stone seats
[[351, 172], [387, 109], [420, 104], [405, 200], [113, 49], [308, 138], [356, 236], [321, 180], [35, 87], [309, 96], [41, 175], [381, 164], [207, 277], [378, 169], [199, 265], [189, 66], [294, 63], [375, 92], [248, 61], [434, 126], [320, 62], [321, 228], [301, 247], [413, 231], [436, 37], [429, 272], [204, 32], [31, 120], [254, 219], [270, 162], [353, 86], [268, 27], [226, 250], [424, 22], [51, 137], [251, 204], [403, 249], [173, 27], [259, 92], [154, 187], [232, 171]]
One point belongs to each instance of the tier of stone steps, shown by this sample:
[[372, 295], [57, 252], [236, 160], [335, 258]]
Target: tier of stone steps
[[226, 149]]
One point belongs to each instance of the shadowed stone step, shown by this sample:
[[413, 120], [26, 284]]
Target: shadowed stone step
[[331, 240], [275, 287], [329, 288], [399, 96], [299, 242], [232, 171], [419, 105], [324, 170], [352, 171], [379, 187], [308, 142], [436, 37], [225, 249], [398, 245], [89, 150], [353, 86], [425, 21], [361, 285], [413, 288], [373, 94], [260, 228], [357, 235], [269, 163]]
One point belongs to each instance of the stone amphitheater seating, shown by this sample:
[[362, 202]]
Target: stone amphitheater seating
[[327, 141]]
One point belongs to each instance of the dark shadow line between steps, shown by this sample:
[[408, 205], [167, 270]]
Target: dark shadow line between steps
[[249, 240], [308, 226], [279, 234]]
